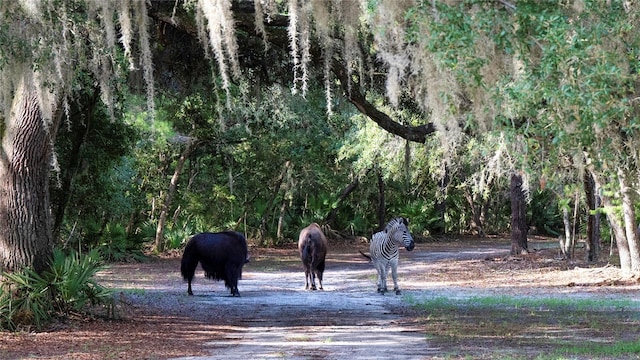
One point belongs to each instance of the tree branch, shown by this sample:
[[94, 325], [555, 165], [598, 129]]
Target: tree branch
[[350, 88]]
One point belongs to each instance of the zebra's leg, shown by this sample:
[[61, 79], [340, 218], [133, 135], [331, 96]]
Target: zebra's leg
[[380, 271], [384, 271], [394, 275]]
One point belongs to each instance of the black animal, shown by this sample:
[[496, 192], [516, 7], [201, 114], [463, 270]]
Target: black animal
[[312, 245], [221, 255]]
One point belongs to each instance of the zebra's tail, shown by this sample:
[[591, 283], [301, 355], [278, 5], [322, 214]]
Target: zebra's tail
[[365, 255]]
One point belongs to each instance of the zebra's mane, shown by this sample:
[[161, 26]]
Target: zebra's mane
[[395, 222]]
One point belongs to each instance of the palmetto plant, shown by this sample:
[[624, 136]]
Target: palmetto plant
[[67, 286]]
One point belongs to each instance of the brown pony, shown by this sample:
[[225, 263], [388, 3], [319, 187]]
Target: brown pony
[[312, 245]]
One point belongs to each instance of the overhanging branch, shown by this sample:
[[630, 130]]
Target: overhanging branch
[[350, 89]]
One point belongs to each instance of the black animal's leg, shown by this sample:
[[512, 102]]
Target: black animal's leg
[[189, 289], [233, 272]]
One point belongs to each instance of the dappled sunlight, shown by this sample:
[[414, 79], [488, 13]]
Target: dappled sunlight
[[276, 317], [288, 341]]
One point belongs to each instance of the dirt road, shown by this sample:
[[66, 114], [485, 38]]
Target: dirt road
[[276, 318]]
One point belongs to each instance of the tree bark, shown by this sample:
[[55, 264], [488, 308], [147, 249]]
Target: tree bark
[[618, 231], [26, 237], [620, 237], [440, 228], [593, 220], [519, 227], [382, 207], [267, 210], [350, 89], [168, 199], [331, 216], [477, 217], [80, 126], [565, 241], [630, 227]]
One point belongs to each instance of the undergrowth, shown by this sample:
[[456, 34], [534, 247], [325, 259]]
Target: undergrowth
[[29, 299]]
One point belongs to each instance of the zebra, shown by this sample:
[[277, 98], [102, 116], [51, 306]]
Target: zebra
[[384, 251]]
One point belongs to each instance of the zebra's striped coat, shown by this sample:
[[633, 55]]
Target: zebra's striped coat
[[384, 251]]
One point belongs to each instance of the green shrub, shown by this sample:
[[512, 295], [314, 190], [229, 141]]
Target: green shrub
[[68, 286]]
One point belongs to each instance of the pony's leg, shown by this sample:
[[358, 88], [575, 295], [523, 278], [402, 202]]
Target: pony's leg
[[306, 278], [312, 275], [319, 273], [189, 288]]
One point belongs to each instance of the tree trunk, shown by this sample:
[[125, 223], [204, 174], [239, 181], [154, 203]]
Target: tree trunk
[[26, 237], [593, 221], [618, 231], [565, 241], [80, 125], [267, 210], [168, 199], [620, 237], [331, 216], [382, 207], [476, 206], [283, 210], [518, 217], [439, 227], [630, 227]]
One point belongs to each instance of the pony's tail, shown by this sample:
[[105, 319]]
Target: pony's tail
[[189, 260]]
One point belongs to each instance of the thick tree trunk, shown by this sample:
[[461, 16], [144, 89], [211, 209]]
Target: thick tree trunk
[[593, 221], [26, 237], [166, 205], [518, 217]]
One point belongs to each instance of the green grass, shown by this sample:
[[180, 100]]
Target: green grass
[[617, 349], [514, 327], [513, 302]]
